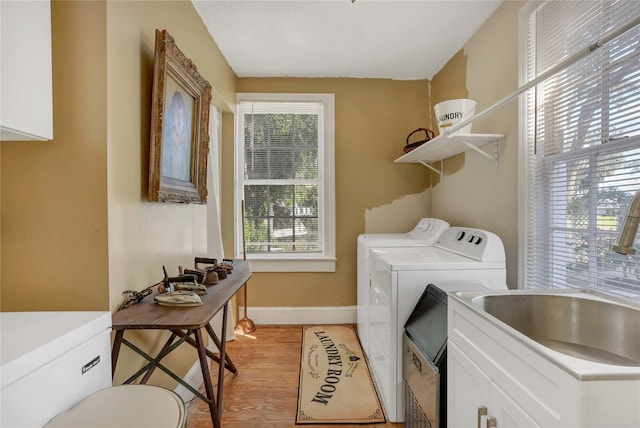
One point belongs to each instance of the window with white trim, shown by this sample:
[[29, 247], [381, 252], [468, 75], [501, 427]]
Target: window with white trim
[[582, 141], [285, 176]]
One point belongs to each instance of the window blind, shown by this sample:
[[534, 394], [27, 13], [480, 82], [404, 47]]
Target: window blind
[[582, 147], [282, 176]]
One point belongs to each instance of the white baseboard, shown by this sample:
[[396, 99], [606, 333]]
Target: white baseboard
[[301, 315]]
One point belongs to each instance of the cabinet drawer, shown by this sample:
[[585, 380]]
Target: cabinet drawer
[[58, 385]]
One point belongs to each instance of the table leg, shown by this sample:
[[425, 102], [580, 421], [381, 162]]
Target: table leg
[[155, 362], [164, 349], [117, 341], [204, 366], [228, 363], [222, 347], [193, 343]]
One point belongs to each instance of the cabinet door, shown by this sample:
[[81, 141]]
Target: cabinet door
[[468, 388], [26, 98], [507, 413]]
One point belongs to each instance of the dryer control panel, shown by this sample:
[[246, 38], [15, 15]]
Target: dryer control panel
[[477, 244], [428, 228]]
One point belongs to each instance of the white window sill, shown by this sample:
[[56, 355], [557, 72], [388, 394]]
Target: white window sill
[[292, 265]]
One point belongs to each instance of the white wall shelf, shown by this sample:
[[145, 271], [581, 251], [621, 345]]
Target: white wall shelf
[[443, 147]]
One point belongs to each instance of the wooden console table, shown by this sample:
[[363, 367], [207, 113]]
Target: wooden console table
[[186, 325]]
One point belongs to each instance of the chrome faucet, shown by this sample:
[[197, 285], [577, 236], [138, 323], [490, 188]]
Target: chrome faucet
[[629, 228]]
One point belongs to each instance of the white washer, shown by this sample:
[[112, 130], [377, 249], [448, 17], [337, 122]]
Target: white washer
[[424, 234], [461, 259]]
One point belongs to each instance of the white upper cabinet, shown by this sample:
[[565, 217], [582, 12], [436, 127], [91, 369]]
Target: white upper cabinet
[[26, 90]]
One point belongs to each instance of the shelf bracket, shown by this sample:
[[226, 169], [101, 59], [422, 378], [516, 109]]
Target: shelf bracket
[[493, 157], [439, 172]]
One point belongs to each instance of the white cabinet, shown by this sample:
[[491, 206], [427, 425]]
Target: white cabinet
[[26, 90], [468, 388], [474, 397], [50, 361], [490, 365], [505, 410]]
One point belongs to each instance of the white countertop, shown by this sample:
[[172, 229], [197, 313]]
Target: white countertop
[[579, 368], [29, 340]]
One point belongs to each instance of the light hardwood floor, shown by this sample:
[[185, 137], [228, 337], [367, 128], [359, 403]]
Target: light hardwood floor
[[265, 392]]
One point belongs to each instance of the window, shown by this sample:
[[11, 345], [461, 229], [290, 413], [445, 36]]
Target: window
[[285, 175], [582, 138]]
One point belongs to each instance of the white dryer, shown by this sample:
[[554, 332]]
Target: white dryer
[[424, 234], [462, 258]]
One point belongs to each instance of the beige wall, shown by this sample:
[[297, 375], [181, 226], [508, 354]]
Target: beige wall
[[373, 118], [144, 236], [77, 229], [473, 193], [449, 83], [54, 193]]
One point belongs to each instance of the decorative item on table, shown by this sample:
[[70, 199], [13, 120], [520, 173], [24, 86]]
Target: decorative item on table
[[205, 277], [208, 265], [199, 274], [428, 135], [211, 265], [222, 273], [180, 298], [211, 277], [170, 295], [185, 283], [131, 297], [452, 112], [181, 283], [228, 265]]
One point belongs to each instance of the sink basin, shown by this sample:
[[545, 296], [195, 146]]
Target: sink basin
[[594, 330]]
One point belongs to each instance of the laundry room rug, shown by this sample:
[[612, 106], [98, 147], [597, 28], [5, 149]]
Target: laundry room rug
[[335, 384]]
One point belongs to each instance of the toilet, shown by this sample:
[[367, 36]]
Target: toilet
[[125, 406], [55, 371]]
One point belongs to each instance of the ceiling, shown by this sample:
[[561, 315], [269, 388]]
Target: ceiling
[[395, 39]]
